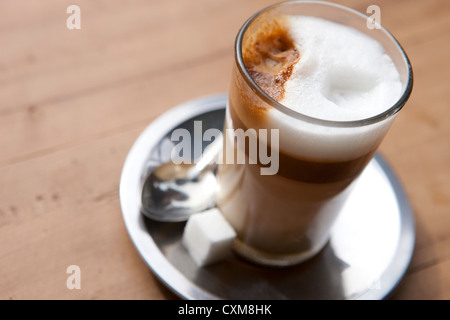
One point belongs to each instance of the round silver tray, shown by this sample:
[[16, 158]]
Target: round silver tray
[[369, 251]]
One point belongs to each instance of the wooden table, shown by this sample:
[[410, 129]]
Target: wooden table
[[72, 103]]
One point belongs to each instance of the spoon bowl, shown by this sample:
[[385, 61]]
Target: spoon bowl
[[173, 192]]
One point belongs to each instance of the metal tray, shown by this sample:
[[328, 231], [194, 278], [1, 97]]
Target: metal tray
[[369, 251]]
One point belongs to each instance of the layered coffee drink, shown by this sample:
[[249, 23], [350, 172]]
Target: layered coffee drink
[[331, 91]]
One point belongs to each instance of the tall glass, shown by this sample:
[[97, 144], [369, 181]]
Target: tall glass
[[285, 218]]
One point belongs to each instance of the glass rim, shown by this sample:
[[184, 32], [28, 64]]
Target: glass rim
[[298, 115]]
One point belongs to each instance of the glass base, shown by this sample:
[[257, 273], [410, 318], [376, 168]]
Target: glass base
[[273, 259]]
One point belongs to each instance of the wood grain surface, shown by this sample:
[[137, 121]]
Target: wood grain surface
[[72, 103]]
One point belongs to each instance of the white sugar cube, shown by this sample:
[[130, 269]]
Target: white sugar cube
[[208, 237]]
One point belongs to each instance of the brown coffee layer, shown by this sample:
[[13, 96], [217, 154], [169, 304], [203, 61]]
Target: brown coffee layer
[[313, 171], [269, 55], [309, 170]]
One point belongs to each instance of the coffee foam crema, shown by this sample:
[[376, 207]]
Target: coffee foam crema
[[341, 75]]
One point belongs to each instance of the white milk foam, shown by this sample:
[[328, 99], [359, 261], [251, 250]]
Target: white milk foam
[[342, 75]]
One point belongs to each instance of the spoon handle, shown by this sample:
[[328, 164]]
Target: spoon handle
[[209, 157]]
